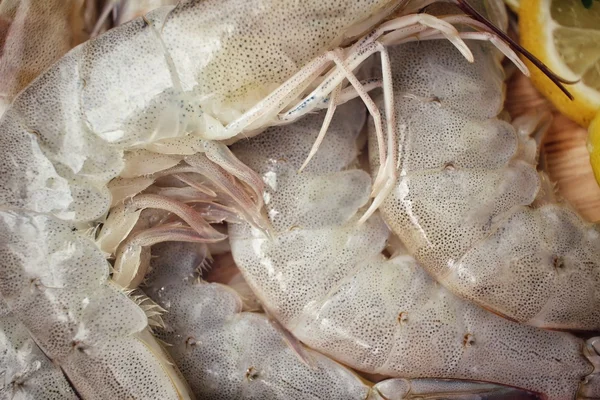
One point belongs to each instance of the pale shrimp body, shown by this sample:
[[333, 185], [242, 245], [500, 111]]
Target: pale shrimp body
[[325, 279], [189, 69], [86, 120], [35, 35], [143, 98], [462, 202], [225, 353]]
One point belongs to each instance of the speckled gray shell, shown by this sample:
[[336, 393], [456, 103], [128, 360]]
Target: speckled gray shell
[[228, 354], [27, 374]]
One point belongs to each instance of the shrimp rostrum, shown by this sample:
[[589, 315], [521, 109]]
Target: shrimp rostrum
[[468, 202]]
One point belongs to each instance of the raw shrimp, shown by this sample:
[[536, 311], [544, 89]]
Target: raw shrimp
[[112, 121], [324, 277], [142, 103], [173, 80], [56, 282], [25, 372], [463, 199], [228, 354], [65, 136], [33, 35]]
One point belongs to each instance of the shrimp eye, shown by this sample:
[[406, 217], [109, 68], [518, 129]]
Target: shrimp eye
[[587, 3]]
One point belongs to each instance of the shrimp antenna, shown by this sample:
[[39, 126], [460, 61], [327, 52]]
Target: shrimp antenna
[[557, 80]]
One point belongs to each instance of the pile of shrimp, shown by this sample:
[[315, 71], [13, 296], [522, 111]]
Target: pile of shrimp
[[398, 244]]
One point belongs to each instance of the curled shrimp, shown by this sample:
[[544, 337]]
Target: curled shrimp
[[114, 125], [226, 353], [181, 80], [96, 115], [141, 112], [324, 277], [468, 201]]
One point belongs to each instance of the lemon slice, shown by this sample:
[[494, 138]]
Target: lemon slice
[[593, 146], [565, 36]]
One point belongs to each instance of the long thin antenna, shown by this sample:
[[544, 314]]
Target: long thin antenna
[[557, 80]]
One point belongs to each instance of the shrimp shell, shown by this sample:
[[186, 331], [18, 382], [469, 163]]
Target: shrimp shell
[[462, 202]]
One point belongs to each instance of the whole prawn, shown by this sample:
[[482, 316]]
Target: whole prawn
[[468, 201], [324, 277], [225, 353]]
